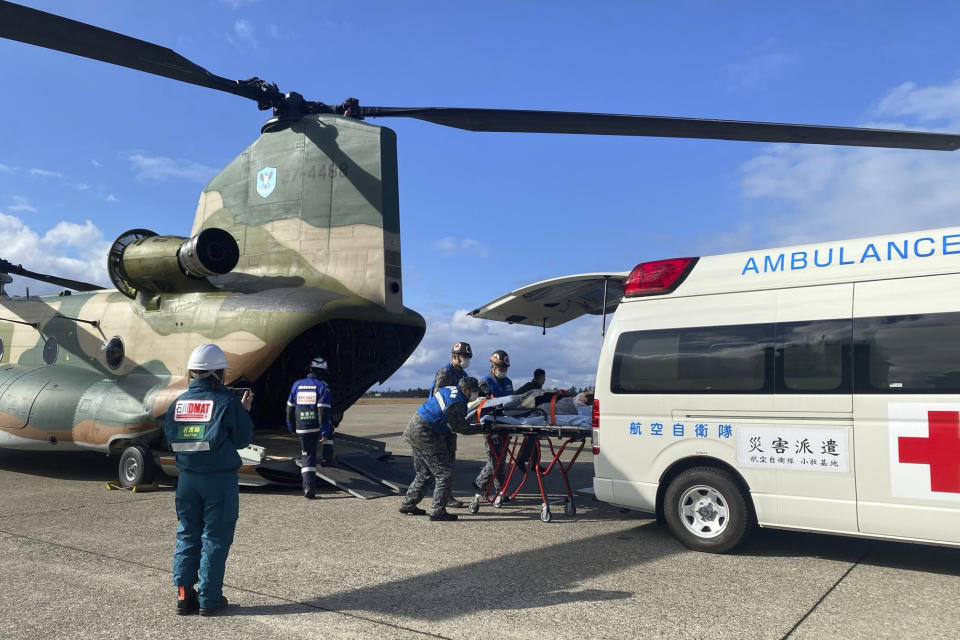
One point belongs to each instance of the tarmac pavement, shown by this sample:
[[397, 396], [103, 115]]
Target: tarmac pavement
[[78, 561]]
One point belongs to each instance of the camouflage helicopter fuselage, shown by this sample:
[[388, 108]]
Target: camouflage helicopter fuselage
[[313, 207]]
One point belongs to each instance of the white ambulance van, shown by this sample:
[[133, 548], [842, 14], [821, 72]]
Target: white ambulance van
[[814, 388]]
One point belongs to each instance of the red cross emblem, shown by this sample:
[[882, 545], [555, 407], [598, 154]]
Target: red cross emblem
[[940, 450]]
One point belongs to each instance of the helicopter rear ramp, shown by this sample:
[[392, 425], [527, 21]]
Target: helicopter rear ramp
[[363, 469], [381, 470], [356, 484]]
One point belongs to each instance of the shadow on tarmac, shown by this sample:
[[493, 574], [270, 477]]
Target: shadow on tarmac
[[894, 555], [62, 465], [522, 580]]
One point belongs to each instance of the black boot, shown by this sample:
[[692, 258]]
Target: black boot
[[212, 611], [412, 510], [186, 601], [442, 516]]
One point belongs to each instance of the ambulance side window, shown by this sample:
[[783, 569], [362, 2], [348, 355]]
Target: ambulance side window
[[815, 357], [917, 353], [726, 359]]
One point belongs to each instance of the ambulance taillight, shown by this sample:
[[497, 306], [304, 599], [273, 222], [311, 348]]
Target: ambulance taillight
[[595, 420], [658, 277]]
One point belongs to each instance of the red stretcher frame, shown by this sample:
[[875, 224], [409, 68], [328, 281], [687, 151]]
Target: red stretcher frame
[[514, 437]]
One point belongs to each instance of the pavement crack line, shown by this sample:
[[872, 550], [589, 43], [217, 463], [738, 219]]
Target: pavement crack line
[[308, 605], [73, 508], [830, 590]]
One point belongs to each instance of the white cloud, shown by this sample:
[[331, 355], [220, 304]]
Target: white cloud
[[760, 65], [923, 103], [236, 4], [159, 168], [22, 203], [111, 198], [7, 169], [451, 245], [96, 163], [802, 193], [69, 250], [43, 173], [81, 186], [244, 32], [568, 353]]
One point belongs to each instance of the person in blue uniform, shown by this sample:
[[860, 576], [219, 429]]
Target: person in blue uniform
[[443, 412], [204, 427], [449, 376], [495, 385], [308, 415]]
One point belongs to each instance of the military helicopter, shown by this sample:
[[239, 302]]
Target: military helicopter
[[294, 253]]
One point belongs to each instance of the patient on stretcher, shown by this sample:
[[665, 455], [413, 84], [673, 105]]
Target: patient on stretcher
[[537, 407]]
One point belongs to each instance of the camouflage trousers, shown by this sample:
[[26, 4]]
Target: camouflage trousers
[[495, 445], [432, 460]]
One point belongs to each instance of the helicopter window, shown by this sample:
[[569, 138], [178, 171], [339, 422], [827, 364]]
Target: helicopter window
[[50, 350], [113, 352]]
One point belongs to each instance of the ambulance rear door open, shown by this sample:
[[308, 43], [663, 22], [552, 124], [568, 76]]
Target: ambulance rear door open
[[553, 302]]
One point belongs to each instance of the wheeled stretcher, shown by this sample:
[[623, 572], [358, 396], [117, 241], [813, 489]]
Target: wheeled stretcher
[[507, 441]]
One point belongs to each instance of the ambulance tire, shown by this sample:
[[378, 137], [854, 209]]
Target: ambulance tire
[[136, 466], [706, 510]]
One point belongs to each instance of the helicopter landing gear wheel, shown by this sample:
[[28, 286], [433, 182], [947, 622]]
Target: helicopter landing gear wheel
[[136, 466]]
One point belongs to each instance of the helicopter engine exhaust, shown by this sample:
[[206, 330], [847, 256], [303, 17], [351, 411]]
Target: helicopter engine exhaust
[[142, 261]]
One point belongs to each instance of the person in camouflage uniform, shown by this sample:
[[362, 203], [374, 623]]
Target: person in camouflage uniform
[[449, 376], [495, 385], [427, 433]]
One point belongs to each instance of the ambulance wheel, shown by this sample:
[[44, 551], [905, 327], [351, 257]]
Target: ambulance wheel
[[136, 466], [706, 510], [545, 514]]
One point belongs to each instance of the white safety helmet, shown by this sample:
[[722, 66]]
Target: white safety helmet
[[207, 357], [318, 363]]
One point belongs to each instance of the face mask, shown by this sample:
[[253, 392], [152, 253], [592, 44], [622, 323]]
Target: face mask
[[499, 374], [464, 363]]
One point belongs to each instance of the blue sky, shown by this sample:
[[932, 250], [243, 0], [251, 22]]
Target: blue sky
[[89, 150]]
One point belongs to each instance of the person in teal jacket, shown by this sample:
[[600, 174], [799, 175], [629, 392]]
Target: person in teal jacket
[[204, 427]]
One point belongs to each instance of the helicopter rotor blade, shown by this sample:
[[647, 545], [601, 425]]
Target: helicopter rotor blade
[[513, 120], [42, 29], [76, 285], [55, 32]]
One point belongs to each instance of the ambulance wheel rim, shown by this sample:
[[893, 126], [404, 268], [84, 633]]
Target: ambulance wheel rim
[[704, 511]]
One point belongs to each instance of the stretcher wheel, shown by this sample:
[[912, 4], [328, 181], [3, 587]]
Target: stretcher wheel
[[545, 513], [474, 506], [570, 508], [498, 501]]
